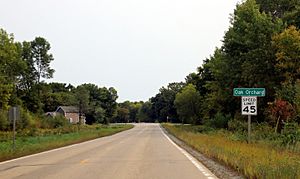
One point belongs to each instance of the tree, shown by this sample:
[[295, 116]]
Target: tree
[[293, 17], [187, 103], [287, 45], [109, 103], [122, 115], [11, 67], [246, 59], [99, 100], [281, 112], [201, 78], [41, 58], [5, 94], [277, 8], [100, 115], [82, 96], [163, 102], [36, 56], [146, 113], [10, 58]]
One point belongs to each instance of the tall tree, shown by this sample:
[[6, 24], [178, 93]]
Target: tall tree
[[249, 58], [163, 102], [41, 58], [11, 67], [82, 95], [187, 103]]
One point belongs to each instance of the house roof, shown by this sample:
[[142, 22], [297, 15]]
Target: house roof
[[69, 109], [50, 114]]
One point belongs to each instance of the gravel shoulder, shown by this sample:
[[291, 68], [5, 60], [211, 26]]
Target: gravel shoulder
[[220, 170]]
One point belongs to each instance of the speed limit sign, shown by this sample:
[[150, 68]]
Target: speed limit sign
[[249, 105]]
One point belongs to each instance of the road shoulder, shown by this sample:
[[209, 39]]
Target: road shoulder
[[215, 167]]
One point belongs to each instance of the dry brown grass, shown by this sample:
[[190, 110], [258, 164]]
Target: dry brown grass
[[252, 160]]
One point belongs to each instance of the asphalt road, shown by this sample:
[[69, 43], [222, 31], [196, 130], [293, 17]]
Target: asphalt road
[[143, 152]]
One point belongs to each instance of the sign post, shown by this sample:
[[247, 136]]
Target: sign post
[[249, 103], [14, 114]]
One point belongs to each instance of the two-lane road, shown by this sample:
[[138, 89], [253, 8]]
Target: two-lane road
[[143, 152]]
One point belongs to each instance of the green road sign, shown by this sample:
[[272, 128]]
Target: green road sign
[[260, 92]]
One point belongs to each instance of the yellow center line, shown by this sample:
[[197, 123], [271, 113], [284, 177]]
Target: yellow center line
[[83, 162]]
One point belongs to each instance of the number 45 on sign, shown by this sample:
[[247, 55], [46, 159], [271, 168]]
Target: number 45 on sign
[[249, 105]]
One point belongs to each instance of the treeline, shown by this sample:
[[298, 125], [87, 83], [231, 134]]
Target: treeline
[[23, 68], [261, 49]]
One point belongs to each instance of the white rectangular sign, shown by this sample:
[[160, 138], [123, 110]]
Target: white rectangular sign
[[249, 105]]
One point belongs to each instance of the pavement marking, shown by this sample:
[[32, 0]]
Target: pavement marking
[[82, 162], [196, 163]]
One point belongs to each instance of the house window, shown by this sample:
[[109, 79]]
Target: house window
[[71, 120]]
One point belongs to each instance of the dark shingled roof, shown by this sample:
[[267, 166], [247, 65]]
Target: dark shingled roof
[[69, 109]]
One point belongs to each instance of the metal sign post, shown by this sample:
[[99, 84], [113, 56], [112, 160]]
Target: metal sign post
[[249, 128], [249, 102], [14, 114]]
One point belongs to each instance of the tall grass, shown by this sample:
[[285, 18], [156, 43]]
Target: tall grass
[[41, 140], [255, 160]]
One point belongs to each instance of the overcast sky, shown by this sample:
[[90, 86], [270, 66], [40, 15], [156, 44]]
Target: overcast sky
[[135, 46]]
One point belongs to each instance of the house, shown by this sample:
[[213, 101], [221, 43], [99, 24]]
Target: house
[[69, 112]]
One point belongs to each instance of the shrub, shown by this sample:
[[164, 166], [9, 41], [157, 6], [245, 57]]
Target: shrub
[[237, 125], [27, 120], [4, 123], [54, 122], [263, 131], [290, 135], [219, 121]]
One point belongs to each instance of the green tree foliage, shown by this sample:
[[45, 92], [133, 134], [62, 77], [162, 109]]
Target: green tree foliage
[[146, 113], [163, 103], [41, 58], [122, 115], [11, 67], [187, 103], [201, 78], [287, 46], [127, 112], [278, 8], [5, 94], [82, 96], [246, 59], [36, 56], [100, 103], [11, 64]]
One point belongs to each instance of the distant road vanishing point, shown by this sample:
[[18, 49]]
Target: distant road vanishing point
[[143, 152]]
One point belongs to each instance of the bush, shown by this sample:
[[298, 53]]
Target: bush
[[237, 125], [54, 122], [263, 131], [290, 135], [4, 123], [220, 121], [27, 120]]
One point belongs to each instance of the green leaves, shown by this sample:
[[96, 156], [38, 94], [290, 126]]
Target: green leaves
[[187, 103], [41, 58], [287, 45]]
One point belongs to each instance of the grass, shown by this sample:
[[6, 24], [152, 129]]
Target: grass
[[255, 160], [50, 139]]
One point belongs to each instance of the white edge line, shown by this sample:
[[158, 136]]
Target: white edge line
[[58, 149], [194, 161]]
